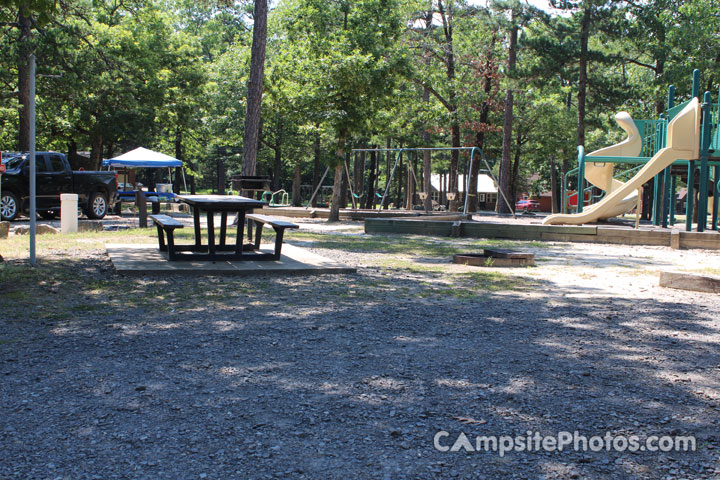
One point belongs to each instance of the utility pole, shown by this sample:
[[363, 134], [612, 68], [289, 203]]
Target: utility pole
[[31, 108]]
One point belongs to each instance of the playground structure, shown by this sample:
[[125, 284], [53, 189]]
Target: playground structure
[[683, 143], [276, 199], [382, 200]]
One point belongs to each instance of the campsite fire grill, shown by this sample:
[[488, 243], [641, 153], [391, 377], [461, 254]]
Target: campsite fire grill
[[251, 183], [496, 258]]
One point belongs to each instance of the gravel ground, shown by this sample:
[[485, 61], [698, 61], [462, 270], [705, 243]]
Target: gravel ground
[[353, 376]]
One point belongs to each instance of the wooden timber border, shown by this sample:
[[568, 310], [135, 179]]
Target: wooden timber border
[[348, 214], [552, 233]]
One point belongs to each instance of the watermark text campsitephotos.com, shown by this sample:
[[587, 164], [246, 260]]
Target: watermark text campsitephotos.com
[[562, 441]]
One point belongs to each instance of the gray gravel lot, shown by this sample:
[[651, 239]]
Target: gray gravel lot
[[352, 376]]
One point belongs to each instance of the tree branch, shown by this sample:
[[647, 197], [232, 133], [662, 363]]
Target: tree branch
[[640, 64], [437, 95]]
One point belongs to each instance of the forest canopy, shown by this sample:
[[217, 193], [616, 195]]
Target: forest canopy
[[172, 75]]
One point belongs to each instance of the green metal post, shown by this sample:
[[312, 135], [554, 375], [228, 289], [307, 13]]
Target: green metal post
[[673, 199], [704, 169], [666, 197], [581, 179], [670, 182], [696, 84], [658, 211], [716, 197], [690, 196], [656, 207]]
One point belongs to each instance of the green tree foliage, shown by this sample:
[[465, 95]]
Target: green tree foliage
[[172, 75]]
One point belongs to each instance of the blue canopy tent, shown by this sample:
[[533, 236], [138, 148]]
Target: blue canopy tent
[[144, 158]]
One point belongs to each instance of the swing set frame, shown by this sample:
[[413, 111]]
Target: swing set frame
[[398, 157]]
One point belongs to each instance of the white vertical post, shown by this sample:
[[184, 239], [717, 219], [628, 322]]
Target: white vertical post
[[68, 213], [31, 107]]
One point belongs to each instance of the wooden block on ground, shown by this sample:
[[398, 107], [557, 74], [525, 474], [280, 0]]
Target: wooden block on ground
[[690, 281], [675, 239]]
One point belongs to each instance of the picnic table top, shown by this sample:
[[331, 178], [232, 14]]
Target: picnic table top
[[221, 201]]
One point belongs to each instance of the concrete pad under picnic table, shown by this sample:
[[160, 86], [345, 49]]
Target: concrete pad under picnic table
[[140, 259]]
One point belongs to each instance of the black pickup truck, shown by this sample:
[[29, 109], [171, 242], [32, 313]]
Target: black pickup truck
[[97, 191]]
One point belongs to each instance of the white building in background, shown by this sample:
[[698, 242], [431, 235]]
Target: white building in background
[[486, 187]]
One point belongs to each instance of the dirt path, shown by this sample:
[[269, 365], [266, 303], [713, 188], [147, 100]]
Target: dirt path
[[355, 376]]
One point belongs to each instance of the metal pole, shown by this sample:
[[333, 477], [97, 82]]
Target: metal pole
[[31, 108], [716, 198], [352, 194], [673, 199], [467, 181], [666, 197], [656, 200], [690, 196], [581, 179], [317, 188], [487, 165], [704, 170]]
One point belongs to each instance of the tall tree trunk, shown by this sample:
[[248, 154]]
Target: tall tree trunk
[[221, 175], [345, 184], [427, 157], [480, 136], [388, 163], [255, 87], [369, 201], [660, 67], [338, 182], [277, 169], [447, 25], [583, 78], [177, 184], [410, 193], [296, 184], [96, 146], [359, 174], [516, 167], [377, 180], [316, 167], [427, 175], [505, 174], [554, 187], [25, 50], [454, 160], [72, 154], [399, 177]]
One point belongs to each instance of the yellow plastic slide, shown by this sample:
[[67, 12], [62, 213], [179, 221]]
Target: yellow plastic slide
[[601, 174], [683, 143]]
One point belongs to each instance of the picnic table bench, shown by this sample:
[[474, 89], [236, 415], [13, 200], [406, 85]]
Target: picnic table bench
[[166, 226], [278, 225]]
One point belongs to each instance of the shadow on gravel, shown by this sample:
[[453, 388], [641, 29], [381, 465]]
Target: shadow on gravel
[[339, 377]]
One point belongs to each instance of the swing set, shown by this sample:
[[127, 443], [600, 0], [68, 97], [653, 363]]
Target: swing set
[[421, 194]]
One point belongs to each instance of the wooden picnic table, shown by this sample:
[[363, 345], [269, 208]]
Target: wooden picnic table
[[224, 205]]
